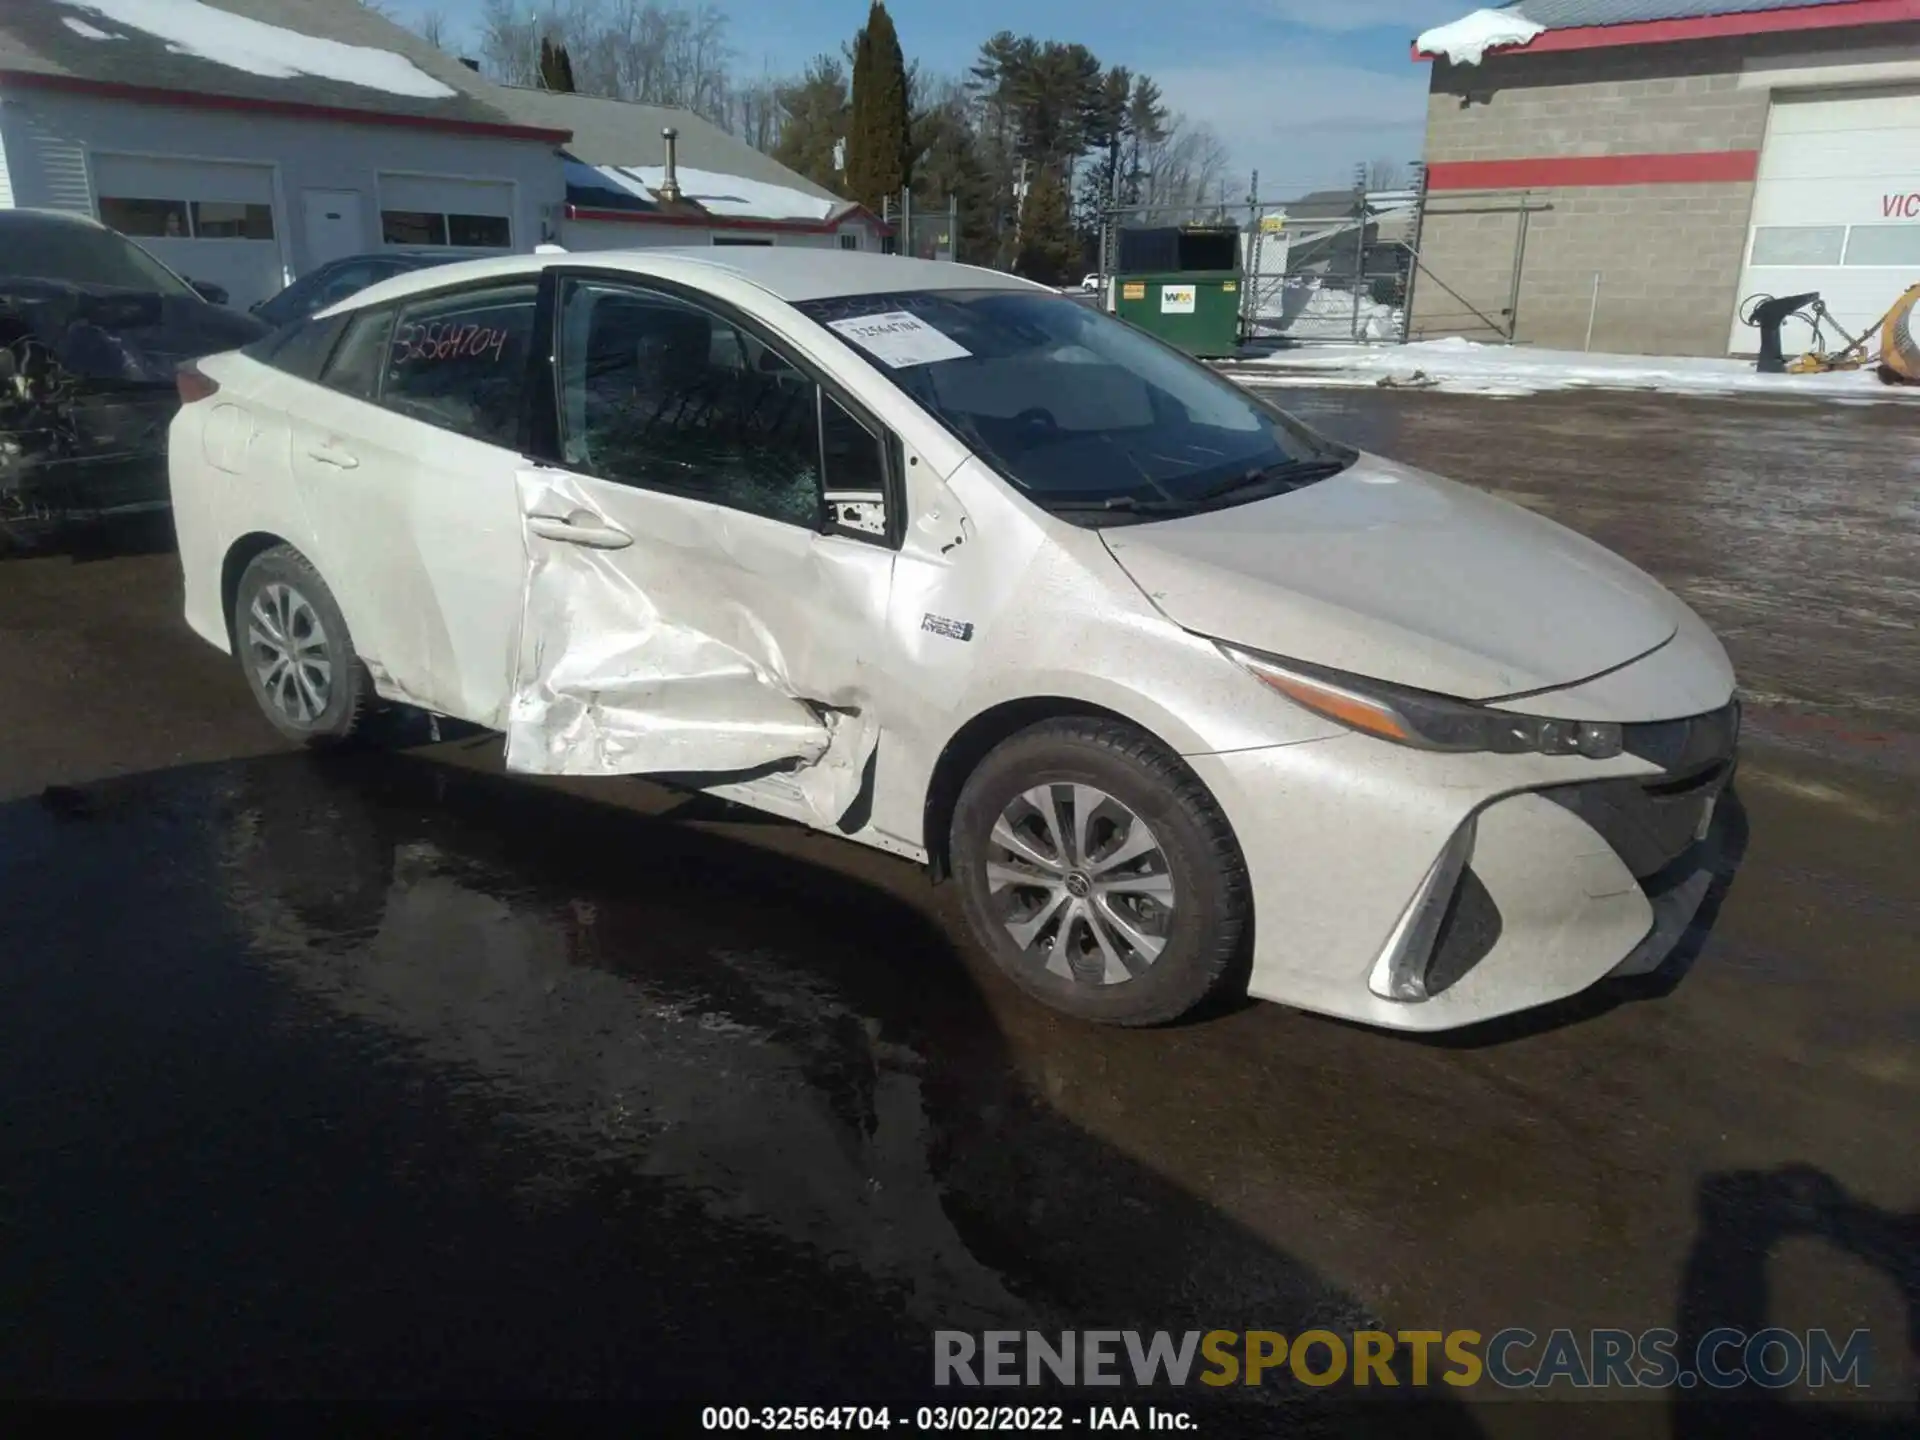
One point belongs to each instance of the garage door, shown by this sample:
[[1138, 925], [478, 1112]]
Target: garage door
[[426, 210], [206, 220], [1836, 208]]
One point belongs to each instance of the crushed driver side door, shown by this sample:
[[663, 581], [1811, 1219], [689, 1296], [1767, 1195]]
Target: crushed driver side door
[[695, 604]]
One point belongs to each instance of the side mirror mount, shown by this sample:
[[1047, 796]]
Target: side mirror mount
[[208, 291]]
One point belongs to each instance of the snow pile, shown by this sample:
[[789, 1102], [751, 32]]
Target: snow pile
[[191, 28], [1462, 366], [1467, 40], [731, 195]]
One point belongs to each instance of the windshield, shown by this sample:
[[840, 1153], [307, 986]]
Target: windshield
[[1074, 406], [37, 249]]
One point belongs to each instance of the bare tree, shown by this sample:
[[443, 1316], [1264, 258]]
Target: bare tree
[[1386, 175], [1185, 165], [660, 54]]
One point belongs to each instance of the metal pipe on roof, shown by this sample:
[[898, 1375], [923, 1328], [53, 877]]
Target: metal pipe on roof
[[669, 190]]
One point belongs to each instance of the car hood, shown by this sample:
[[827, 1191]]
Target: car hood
[[1389, 572], [132, 336]]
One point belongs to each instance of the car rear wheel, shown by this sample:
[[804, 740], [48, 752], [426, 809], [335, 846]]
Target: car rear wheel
[[295, 650], [1098, 872]]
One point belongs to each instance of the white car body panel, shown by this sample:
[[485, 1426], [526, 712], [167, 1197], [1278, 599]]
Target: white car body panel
[[822, 677]]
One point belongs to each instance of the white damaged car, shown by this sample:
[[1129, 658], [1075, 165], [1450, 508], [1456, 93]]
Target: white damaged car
[[1184, 696]]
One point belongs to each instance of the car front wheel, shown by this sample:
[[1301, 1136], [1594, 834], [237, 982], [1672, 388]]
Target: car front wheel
[[294, 648], [1098, 872]]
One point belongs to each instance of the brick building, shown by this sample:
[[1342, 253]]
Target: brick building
[[1643, 166]]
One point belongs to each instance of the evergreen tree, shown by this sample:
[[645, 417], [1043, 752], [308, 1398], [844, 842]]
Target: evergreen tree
[[879, 138], [556, 68], [1049, 251], [813, 123]]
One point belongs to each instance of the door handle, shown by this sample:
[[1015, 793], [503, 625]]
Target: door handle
[[583, 527], [335, 456]]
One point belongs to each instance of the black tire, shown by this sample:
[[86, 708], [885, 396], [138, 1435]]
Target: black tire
[[348, 693], [1210, 918]]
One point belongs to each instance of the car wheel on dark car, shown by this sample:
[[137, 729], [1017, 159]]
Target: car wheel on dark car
[[1098, 872], [296, 652]]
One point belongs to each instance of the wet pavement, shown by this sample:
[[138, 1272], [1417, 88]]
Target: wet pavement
[[389, 1076]]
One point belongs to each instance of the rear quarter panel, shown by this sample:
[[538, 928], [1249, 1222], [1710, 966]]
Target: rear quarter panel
[[227, 464]]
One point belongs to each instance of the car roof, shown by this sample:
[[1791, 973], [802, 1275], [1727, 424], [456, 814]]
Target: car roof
[[791, 273], [21, 213]]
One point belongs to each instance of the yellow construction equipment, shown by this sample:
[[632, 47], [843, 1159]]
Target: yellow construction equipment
[[1897, 333]]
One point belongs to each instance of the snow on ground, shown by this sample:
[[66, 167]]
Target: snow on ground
[[84, 30], [1469, 38], [1467, 367], [190, 28], [730, 195]]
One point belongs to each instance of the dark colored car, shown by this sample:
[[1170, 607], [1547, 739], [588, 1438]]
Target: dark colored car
[[92, 330], [337, 279]]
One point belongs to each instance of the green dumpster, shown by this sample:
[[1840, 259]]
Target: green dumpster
[[1183, 285]]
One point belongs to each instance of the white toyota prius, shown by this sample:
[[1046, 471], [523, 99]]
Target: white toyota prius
[[1185, 697]]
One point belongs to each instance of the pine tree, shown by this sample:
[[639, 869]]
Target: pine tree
[[1048, 250], [879, 139], [556, 67]]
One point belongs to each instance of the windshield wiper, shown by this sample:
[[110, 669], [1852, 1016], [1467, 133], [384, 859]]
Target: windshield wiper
[[1287, 473], [1273, 477], [1122, 504]]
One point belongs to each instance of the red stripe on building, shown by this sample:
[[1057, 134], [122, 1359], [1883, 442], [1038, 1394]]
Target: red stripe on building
[[1713, 27], [1703, 167], [147, 95]]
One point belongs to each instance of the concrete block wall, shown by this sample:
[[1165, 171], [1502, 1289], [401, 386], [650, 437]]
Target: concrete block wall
[[1668, 255], [1668, 258]]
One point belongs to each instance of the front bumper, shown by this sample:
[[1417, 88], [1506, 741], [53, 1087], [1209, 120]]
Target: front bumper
[[1419, 891]]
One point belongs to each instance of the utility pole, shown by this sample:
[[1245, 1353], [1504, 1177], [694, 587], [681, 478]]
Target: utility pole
[[1359, 243]]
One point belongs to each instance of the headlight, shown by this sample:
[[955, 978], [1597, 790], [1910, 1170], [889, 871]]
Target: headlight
[[1423, 720]]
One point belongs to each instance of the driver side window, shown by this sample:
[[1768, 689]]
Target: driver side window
[[660, 393]]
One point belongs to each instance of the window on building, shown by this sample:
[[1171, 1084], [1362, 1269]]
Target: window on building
[[186, 219], [230, 220], [459, 361], [1798, 244], [146, 219], [849, 242], [1884, 245], [480, 232], [430, 227]]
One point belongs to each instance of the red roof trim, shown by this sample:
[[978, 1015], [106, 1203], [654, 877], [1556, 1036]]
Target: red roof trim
[[1701, 167], [1712, 27], [147, 95], [728, 222]]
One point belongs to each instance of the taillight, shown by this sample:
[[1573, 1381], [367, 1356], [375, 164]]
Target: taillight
[[194, 383]]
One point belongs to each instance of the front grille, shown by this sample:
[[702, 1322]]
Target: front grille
[[1651, 821]]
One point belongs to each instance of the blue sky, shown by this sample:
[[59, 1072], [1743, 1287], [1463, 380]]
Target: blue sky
[[1303, 89]]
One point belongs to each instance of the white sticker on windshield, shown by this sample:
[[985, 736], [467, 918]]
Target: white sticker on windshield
[[899, 339]]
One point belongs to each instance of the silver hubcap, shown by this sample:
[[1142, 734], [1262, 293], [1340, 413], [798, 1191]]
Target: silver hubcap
[[288, 650], [1081, 884]]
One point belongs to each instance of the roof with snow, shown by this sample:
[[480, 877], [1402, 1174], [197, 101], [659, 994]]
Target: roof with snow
[[1574, 14], [617, 160], [318, 53], [1516, 24]]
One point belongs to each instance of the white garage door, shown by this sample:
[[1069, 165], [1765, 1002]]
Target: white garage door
[[205, 220], [429, 210], [1837, 207]]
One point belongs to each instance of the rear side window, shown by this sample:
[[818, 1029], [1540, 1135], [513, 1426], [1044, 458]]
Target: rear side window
[[362, 353], [299, 349], [459, 361]]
